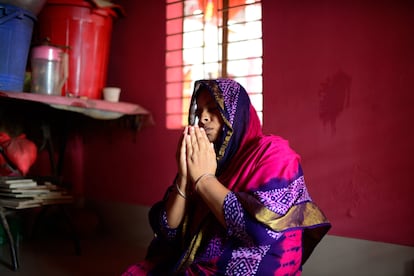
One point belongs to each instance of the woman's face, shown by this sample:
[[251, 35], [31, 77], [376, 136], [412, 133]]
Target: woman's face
[[209, 116]]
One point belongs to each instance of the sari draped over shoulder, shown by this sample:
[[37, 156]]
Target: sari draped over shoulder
[[272, 224]]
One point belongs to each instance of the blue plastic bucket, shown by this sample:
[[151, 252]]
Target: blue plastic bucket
[[16, 27]]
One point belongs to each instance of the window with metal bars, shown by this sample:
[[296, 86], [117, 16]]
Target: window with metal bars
[[210, 39]]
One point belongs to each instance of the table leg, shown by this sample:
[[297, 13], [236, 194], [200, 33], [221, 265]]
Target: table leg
[[12, 245]]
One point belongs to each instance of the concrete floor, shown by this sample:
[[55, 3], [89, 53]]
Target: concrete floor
[[46, 247], [100, 255], [104, 255]]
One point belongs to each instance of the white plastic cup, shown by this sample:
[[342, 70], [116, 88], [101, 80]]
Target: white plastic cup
[[111, 94]]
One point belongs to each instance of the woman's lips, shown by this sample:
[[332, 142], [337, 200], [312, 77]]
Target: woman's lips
[[207, 130], [209, 133]]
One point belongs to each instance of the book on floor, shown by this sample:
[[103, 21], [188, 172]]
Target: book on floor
[[19, 203], [17, 195], [17, 183], [25, 190], [26, 193]]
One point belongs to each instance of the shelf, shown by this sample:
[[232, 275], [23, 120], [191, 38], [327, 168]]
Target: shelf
[[97, 109]]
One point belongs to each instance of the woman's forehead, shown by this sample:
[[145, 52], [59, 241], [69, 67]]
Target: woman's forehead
[[204, 96]]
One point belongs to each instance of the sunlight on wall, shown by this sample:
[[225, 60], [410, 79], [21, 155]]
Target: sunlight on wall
[[198, 47]]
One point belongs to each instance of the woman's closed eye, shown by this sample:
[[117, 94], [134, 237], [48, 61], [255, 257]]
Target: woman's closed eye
[[213, 109], [210, 109]]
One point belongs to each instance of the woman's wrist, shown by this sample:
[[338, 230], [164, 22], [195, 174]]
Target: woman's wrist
[[180, 179], [179, 183], [200, 178], [179, 191]]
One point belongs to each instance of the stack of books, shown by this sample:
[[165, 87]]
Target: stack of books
[[20, 193]]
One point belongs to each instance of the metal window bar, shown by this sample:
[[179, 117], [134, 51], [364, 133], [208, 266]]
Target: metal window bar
[[223, 55]]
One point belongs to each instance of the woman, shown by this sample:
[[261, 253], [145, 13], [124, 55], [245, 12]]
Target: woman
[[239, 204]]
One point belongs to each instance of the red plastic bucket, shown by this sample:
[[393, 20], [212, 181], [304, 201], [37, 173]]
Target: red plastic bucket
[[86, 30]]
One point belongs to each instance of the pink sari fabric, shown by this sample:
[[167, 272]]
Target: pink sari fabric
[[272, 225]]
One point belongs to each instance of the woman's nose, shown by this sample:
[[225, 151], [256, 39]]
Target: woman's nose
[[205, 117]]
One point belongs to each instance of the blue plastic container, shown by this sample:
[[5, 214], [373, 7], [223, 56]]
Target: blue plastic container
[[16, 27]]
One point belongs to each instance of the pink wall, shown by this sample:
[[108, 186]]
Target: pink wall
[[338, 82], [123, 165]]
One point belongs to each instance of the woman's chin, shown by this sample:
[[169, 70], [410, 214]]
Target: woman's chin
[[211, 138]]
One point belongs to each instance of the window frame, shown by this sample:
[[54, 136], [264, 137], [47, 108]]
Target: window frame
[[178, 84]]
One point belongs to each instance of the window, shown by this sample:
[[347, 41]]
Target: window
[[211, 39]]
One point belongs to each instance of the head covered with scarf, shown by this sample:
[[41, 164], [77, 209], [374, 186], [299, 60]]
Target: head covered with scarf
[[241, 123]]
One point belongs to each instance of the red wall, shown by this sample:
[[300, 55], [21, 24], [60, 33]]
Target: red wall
[[338, 83], [124, 165]]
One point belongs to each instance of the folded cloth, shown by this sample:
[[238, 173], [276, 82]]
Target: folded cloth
[[17, 153]]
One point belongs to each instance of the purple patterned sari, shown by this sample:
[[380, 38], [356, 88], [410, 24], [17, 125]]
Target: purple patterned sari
[[272, 225]]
